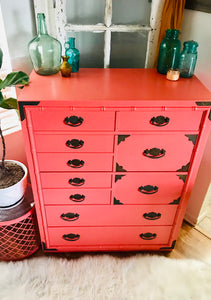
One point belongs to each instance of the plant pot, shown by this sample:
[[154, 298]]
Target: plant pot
[[13, 195]]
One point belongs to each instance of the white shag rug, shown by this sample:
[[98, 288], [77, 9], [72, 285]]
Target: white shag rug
[[105, 277]]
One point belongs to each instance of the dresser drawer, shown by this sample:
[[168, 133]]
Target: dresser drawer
[[74, 162], [75, 180], [154, 152], [70, 142], [76, 196], [74, 121], [110, 215], [159, 120], [136, 235], [148, 188]]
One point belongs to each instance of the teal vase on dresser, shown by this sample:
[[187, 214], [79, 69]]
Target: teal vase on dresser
[[45, 51], [188, 59], [73, 53], [169, 53]]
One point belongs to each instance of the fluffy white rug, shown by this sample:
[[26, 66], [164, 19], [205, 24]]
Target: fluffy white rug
[[105, 277]]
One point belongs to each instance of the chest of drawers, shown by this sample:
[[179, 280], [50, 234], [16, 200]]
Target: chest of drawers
[[113, 155]]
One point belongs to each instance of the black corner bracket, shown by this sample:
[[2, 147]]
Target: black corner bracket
[[48, 249], [169, 248], [21, 105]]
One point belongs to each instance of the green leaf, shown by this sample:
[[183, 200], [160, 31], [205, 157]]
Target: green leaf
[[1, 96], [15, 78], [9, 103]]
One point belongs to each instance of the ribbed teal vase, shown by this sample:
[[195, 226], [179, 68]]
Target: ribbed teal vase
[[73, 53], [45, 51]]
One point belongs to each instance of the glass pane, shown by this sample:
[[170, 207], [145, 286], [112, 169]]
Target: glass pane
[[85, 11], [128, 50], [131, 12], [91, 47]]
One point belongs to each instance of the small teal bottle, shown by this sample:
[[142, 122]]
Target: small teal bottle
[[188, 59], [169, 53], [73, 53]]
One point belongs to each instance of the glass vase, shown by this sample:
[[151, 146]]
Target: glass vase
[[73, 53], [44, 50], [169, 53], [188, 59], [65, 67]]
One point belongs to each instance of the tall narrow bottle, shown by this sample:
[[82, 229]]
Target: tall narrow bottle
[[188, 59], [73, 53], [169, 53], [45, 51]]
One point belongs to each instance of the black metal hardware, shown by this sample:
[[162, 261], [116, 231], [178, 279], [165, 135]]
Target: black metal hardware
[[69, 217], [75, 163], [160, 121], [76, 181], [73, 121], [74, 143], [77, 198], [152, 216], [148, 236], [71, 237], [148, 189], [154, 153]]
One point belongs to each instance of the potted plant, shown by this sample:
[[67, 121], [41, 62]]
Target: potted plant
[[13, 174]]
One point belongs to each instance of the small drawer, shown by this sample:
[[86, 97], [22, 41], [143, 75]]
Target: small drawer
[[135, 235], [74, 162], [74, 180], [71, 142], [76, 196], [74, 121], [155, 152], [110, 215], [159, 120], [148, 188]]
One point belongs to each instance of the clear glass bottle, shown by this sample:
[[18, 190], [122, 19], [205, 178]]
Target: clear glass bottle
[[45, 51], [73, 53], [188, 59], [169, 53]]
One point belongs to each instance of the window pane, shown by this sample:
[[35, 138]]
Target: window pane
[[128, 50], [131, 12], [85, 11], [91, 47]]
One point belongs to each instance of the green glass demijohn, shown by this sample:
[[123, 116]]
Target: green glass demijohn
[[73, 53], [45, 51], [169, 53], [188, 59]]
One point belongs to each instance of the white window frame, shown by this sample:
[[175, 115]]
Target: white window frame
[[54, 11]]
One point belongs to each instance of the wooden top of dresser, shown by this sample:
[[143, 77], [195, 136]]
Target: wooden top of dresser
[[109, 85]]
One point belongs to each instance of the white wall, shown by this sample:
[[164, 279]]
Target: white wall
[[197, 26]]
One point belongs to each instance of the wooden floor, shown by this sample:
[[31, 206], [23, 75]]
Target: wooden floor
[[191, 244]]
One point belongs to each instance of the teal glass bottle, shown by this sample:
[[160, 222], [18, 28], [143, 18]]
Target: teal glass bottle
[[169, 53], [188, 59], [44, 50], [73, 53]]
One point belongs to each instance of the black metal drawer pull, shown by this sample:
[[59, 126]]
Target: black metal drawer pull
[[77, 198], [152, 216], [75, 163], [76, 181], [154, 153], [148, 189], [69, 217], [74, 143], [71, 237], [73, 121], [148, 236], [160, 121]]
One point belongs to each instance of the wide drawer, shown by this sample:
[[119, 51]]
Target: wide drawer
[[139, 235], [159, 120], [148, 188], [74, 121], [70, 142], [74, 180], [110, 215], [76, 196], [154, 152], [74, 162]]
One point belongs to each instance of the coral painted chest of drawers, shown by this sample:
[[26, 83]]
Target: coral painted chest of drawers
[[113, 155]]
